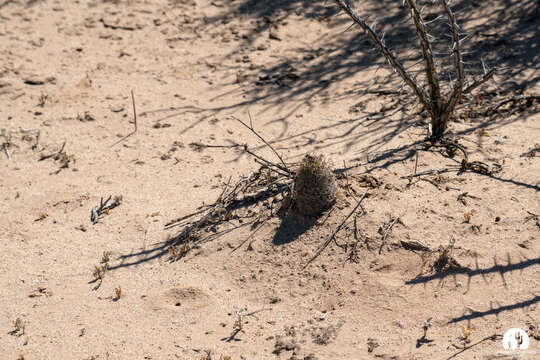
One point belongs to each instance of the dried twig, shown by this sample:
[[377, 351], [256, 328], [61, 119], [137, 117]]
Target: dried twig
[[479, 82], [532, 152], [59, 152], [385, 235], [104, 207], [134, 121], [268, 163], [337, 229], [116, 27], [258, 185], [6, 150], [197, 146], [427, 55], [462, 197], [250, 127], [492, 338], [431, 171], [533, 216], [390, 57], [134, 111]]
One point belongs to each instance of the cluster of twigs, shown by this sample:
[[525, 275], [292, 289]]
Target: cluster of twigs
[[104, 207], [450, 148], [495, 104], [533, 216], [273, 180], [233, 203]]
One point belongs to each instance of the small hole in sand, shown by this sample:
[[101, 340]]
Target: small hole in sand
[[177, 304]]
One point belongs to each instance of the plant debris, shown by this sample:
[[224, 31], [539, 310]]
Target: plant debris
[[104, 208]]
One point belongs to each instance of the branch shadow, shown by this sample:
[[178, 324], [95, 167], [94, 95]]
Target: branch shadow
[[471, 272], [494, 310]]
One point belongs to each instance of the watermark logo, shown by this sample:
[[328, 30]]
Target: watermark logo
[[515, 339]]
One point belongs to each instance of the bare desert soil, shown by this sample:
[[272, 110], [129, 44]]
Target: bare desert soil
[[67, 69]]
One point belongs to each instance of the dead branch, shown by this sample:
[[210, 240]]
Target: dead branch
[[458, 64], [104, 207], [387, 231], [477, 167], [247, 191], [116, 27], [533, 216], [134, 111], [337, 229], [431, 172], [532, 152], [427, 55], [465, 348], [267, 162], [178, 221], [414, 245], [390, 57], [259, 159], [134, 121], [512, 99], [197, 146], [479, 82], [440, 107]]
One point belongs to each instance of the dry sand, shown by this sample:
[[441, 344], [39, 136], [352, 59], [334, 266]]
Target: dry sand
[[67, 69]]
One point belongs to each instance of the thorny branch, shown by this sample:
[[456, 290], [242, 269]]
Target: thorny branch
[[390, 57], [440, 107], [427, 54], [488, 75], [458, 64]]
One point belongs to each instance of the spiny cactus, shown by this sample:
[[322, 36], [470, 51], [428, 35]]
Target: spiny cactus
[[315, 186]]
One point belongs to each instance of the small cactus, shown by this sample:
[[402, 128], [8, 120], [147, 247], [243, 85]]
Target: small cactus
[[315, 187]]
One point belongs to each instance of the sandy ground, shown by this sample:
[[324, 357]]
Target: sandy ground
[[66, 71]]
